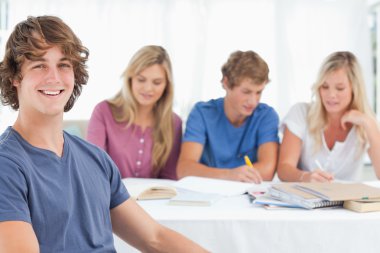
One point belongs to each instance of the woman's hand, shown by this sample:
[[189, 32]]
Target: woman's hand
[[353, 117], [317, 176]]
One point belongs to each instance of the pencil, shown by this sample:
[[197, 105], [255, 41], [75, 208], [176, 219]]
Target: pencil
[[247, 161], [319, 165]]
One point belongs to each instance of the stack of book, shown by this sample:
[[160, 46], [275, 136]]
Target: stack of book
[[354, 196]]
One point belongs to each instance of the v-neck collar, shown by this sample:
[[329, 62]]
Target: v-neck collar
[[42, 150], [337, 144]]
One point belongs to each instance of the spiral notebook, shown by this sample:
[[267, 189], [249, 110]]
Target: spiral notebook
[[287, 192]]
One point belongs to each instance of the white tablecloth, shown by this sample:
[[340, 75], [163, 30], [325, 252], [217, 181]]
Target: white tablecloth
[[233, 224]]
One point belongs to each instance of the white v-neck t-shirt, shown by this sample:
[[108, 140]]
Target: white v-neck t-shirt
[[343, 160]]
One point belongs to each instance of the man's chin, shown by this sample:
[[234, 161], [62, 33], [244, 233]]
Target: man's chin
[[248, 113]]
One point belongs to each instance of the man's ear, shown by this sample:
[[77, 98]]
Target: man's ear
[[225, 82], [15, 82]]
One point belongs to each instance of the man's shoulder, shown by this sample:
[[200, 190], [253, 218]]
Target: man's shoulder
[[87, 152], [265, 109], [76, 142], [11, 150], [209, 106], [9, 141], [4, 137]]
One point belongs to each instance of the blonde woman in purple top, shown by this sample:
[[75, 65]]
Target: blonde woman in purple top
[[137, 127]]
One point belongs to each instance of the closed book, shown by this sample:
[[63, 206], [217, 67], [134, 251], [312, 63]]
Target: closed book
[[287, 192], [335, 191], [362, 206], [267, 201], [192, 198]]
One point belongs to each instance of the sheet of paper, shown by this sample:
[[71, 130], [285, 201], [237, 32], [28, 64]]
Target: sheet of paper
[[218, 186]]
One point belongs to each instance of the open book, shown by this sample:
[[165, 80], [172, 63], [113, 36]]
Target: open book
[[218, 186], [145, 190], [362, 206]]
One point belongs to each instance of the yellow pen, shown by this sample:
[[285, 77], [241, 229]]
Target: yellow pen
[[247, 161]]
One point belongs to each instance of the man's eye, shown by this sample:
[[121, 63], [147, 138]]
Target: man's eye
[[39, 67], [64, 65]]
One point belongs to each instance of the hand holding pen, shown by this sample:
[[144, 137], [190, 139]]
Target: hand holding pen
[[320, 174], [245, 173], [252, 170]]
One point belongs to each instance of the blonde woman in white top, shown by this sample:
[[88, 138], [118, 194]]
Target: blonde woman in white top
[[327, 138]]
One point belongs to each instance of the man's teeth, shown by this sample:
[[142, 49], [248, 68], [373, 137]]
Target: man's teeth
[[49, 92]]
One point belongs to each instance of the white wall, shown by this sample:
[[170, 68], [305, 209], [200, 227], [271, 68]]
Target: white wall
[[293, 36]]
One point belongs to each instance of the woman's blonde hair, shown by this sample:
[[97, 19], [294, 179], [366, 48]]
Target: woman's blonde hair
[[124, 104], [317, 115]]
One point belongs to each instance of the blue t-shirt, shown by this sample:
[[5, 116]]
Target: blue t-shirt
[[66, 199], [224, 145]]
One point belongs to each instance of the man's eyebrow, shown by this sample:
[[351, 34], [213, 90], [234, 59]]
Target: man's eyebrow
[[260, 90], [38, 59], [64, 59]]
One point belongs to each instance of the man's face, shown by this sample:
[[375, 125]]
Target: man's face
[[47, 84], [244, 97]]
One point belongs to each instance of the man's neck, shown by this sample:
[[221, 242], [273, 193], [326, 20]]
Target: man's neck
[[44, 132], [234, 118]]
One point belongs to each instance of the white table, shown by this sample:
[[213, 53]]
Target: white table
[[234, 225]]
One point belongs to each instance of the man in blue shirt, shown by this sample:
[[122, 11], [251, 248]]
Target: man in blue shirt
[[221, 132], [59, 193]]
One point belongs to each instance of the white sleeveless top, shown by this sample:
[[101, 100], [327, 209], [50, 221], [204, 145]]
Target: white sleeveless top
[[344, 160]]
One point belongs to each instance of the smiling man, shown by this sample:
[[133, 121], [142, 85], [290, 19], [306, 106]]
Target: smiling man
[[59, 193], [221, 132]]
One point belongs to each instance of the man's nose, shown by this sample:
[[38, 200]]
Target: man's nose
[[53, 76]]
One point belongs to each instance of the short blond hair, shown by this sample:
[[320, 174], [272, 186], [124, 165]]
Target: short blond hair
[[241, 65]]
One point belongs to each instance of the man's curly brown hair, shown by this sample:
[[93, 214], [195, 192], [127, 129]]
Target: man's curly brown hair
[[29, 40]]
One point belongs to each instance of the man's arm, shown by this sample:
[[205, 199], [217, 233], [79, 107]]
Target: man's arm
[[188, 165], [17, 236], [132, 224], [267, 154]]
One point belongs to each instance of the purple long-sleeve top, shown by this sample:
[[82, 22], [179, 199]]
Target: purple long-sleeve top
[[130, 147]]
